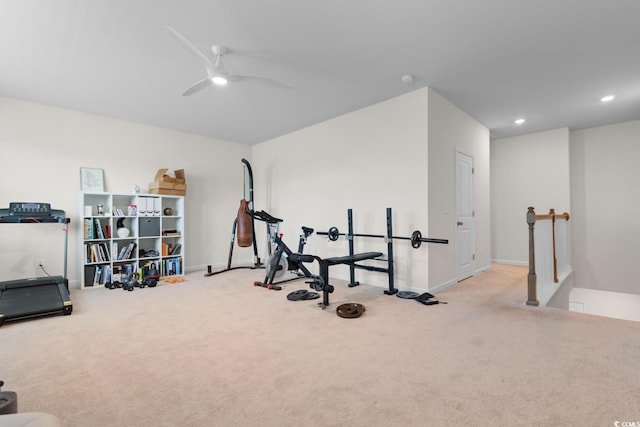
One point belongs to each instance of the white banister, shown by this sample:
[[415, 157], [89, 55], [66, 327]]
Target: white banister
[[549, 255]]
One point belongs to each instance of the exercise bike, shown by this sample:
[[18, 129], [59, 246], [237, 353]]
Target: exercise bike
[[279, 262]]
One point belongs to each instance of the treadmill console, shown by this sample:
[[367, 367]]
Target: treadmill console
[[31, 212], [29, 209]]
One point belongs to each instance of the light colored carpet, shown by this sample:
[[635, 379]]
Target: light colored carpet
[[219, 352]]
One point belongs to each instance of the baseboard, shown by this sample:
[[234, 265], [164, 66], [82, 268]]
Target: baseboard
[[510, 262], [443, 286]]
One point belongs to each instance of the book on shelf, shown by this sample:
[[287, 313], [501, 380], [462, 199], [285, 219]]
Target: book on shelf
[[92, 255], [100, 275], [97, 252], [130, 251], [172, 266], [170, 232], [100, 255], [122, 253], [96, 275], [99, 232], [107, 278], [128, 269], [176, 249], [87, 229], [105, 250]]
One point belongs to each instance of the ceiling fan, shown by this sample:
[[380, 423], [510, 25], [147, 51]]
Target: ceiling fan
[[217, 74]]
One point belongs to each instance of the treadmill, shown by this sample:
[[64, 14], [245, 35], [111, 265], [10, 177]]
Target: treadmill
[[39, 296]]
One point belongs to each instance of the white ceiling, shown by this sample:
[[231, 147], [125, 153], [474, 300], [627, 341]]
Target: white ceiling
[[549, 61]]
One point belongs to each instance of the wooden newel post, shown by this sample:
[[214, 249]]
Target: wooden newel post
[[552, 213], [532, 298]]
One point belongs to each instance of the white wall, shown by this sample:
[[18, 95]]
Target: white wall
[[368, 160], [606, 231], [604, 303], [590, 173], [450, 129], [43, 148], [529, 170]]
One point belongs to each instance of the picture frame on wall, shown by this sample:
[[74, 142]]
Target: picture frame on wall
[[91, 179]]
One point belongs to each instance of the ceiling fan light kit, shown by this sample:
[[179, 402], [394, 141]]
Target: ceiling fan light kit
[[217, 74], [219, 80]]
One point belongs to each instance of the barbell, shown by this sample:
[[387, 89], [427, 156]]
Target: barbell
[[416, 237]]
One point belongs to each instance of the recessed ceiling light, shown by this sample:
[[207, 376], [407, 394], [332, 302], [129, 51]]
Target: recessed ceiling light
[[407, 79], [519, 121], [607, 98]]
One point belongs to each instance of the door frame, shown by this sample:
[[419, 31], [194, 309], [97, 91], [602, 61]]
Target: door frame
[[469, 222]]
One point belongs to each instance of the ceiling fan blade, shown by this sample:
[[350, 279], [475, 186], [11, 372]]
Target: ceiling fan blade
[[271, 82], [197, 87], [190, 46]]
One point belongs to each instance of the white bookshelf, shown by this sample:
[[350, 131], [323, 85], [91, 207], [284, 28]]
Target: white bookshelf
[[155, 225]]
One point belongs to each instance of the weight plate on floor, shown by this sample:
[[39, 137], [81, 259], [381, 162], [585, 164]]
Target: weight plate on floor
[[407, 294], [297, 295], [350, 310], [310, 295]]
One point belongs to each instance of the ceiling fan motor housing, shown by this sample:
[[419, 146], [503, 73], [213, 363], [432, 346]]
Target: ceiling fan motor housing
[[218, 50]]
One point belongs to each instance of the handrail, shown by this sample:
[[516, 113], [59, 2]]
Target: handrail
[[552, 215], [532, 217], [532, 298]]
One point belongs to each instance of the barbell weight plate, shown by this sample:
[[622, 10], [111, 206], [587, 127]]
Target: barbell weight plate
[[350, 310], [333, 234], [297, 295], [310, 295], [316, 283], [407, 294], [416, 239]]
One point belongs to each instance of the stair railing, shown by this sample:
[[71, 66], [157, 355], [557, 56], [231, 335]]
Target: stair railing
[[548, 254]]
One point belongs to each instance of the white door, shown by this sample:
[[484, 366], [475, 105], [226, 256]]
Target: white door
[[465, 224]]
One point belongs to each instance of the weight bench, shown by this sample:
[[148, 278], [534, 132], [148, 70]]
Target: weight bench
[[321, 282]]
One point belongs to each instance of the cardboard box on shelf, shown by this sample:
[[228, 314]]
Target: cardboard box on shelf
[[180, 178], [165, 184], [161, 185], [168, 192]]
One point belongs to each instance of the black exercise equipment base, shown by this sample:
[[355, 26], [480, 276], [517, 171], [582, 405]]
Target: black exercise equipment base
[[321, 283], [29, 298], [213, 273]]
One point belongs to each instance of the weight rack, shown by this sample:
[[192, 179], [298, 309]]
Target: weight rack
[[415, 239]]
